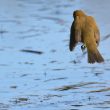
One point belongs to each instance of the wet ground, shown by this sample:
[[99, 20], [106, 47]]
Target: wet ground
[[37, 71]]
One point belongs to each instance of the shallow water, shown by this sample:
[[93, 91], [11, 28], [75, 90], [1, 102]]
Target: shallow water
[[37, 70]]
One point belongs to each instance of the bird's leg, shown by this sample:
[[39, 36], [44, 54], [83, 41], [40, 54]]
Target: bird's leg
[[83, 47]]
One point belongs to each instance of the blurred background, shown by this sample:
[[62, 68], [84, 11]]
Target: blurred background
[[37, 70]]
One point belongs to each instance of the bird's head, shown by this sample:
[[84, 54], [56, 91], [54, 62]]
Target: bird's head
[[78, 13]]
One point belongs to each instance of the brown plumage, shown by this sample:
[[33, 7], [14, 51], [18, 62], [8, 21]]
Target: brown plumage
[[84, 29]]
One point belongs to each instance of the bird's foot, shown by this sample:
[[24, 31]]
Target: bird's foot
[[83, 47]]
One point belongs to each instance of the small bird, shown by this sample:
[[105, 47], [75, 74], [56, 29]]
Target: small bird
[[84, 29]]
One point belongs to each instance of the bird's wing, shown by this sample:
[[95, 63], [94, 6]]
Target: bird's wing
[[75, 34], [96, 30], [97, 36]]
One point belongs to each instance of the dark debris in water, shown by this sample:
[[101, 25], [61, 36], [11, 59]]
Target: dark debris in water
[[56, 79], [98, 73], [32, 51], [27, 63], [13, 87], [64, 88], [103, 107], [3, 31], [74, 61], [106, 37], [23, 75], [53, 61], [75, 86], [50, 96], [77, 105], [58, 69], [23, 99], [100, 90], [20, 100]]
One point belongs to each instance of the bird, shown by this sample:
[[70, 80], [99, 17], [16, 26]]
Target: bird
[[85, 30]]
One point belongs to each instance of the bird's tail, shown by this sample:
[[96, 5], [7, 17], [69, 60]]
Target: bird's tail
[[95, 56]]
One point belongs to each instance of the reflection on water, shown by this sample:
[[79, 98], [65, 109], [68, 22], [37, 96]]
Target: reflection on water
[[50, 77]]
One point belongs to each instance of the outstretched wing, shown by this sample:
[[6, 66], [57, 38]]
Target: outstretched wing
[[75, 34]]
